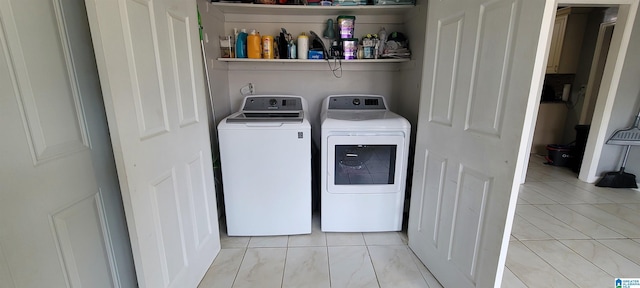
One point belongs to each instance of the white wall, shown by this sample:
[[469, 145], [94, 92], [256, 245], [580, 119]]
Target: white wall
[[218, 98], [213, 23], [594, 20], [625, 108]]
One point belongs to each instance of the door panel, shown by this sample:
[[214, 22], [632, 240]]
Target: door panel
[[468, 213], [78, 229], [143, 59], [444, 69], [151, 71], [477, 76], [491, 64]]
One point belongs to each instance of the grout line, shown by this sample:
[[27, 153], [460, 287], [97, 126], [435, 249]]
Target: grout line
[[375, 272], [328, 264], [240, 266], [545, 261], [514, 275], [583, 257], [286, 255]]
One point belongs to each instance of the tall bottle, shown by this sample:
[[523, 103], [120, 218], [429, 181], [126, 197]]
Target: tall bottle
[[303, 46], [267, 47], [241, 44], [254, 45]]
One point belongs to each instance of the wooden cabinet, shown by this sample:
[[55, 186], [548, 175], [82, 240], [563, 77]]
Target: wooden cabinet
[[566, 41]]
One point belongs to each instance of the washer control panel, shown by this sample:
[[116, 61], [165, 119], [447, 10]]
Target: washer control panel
[[356, 102], [272, 103]]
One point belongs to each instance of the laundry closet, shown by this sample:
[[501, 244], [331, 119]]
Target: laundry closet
[[231, 79]]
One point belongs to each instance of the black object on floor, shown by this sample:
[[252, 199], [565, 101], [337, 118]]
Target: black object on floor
[[582, 133], [558, 155], [619, 179], [625, 137]]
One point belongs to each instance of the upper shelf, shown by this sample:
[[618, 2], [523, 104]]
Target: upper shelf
[[250, 8], [247, 60]]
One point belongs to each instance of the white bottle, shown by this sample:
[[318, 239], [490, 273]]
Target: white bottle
[[303, 46], [382, 34]]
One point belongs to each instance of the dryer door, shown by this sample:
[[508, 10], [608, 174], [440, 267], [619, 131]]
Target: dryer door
[[366, 163]]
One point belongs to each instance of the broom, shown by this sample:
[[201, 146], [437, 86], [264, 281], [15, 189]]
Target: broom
[[625, 137]]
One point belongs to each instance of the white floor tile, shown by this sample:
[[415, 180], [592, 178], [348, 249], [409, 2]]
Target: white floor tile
[[545, 222], [233, 241], [350, 266], [579, 222], [382, 238], [394, 267], [532, 270], [630, 215], [628, 248], [344, 239], [634, 206], [576, 195], [523, 230], [431, 280], [580, 271], [617, 195], [269, 241], [510, 280], [261, 267], [306, 267], [611, 221], [317, 238], [223, 271], [553, 191], [603, 257], [532, 197]]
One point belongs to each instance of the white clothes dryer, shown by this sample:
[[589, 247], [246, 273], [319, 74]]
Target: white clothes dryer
[[265, 155], [364, 154]]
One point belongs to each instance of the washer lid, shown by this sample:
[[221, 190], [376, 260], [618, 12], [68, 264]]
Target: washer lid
[[266, 116]]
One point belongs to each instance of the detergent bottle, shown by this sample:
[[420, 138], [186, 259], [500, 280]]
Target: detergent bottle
[[254, 45], [241, 44]]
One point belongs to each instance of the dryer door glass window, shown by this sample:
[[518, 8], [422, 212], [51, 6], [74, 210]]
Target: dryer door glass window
[[365, 164]]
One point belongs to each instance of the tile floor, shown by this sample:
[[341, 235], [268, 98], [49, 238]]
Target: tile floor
[[318, 260], [566, 234]]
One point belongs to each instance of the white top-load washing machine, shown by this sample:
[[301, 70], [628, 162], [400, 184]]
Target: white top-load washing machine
[[364, 153], [265, 154]]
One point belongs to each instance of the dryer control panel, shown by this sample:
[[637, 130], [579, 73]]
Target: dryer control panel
[[357, 102]]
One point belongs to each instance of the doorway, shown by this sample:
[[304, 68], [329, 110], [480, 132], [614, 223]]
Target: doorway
[[575, 66], [603, 107]]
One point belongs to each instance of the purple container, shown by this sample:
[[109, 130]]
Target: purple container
[[349, 48], [346, 26]]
